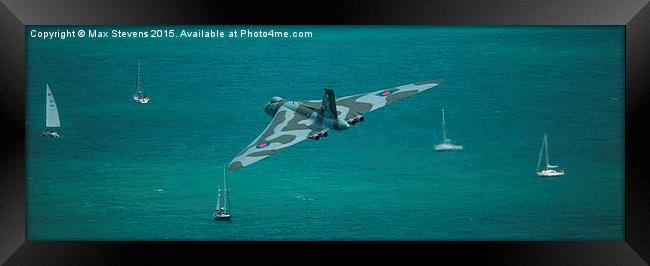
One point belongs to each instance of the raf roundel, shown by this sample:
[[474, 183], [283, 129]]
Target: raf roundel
[[262, 145], [385, 93]]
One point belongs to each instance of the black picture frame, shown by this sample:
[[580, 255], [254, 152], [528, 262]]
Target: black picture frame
[[15, 14]]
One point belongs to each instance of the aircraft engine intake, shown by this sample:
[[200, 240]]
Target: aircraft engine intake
[[355, 120], [318, 135]]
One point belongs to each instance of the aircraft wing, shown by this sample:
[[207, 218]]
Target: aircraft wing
[[354, 105], [286, 129]]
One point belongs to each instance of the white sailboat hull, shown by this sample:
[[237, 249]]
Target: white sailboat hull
[[221, 216], [550, 172], [140, 99], [51, 134], [448, 147]]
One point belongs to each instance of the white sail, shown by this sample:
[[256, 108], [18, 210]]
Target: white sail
[[219, 202], [541, 153], [51, 112]]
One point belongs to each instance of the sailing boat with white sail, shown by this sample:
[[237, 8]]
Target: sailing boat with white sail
[[51, 114], [138, 97], [549, 170], [222, 211], [446, 144]]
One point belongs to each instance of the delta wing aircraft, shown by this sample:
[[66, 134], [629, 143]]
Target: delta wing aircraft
[[295, 121]]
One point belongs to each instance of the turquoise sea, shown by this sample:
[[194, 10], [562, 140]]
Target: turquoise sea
[[126, 171]]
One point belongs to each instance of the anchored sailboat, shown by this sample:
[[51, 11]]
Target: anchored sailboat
[[51, 114], [138, 97], [446, 144], [222, 211], [549, 170]]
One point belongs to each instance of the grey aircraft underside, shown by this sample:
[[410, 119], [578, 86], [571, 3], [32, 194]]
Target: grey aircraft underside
[[295, 121]]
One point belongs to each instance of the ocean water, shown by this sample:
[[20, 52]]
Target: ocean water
[[125, 171]]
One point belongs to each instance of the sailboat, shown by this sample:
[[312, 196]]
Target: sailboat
[[549, 170], [446, 144], [222, 211], [51, 114], [138, 97]]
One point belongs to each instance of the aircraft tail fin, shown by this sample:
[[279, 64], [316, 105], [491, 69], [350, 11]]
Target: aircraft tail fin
[[328, 105]]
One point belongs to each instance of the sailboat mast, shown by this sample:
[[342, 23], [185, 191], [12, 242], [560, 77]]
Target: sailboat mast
[[225, 189], [444, 128], [218, 199], [137, 78], [546, 149], [47, 104], [224, 177]]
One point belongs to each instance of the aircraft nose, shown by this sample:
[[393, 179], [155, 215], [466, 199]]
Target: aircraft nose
[[268, 108]]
